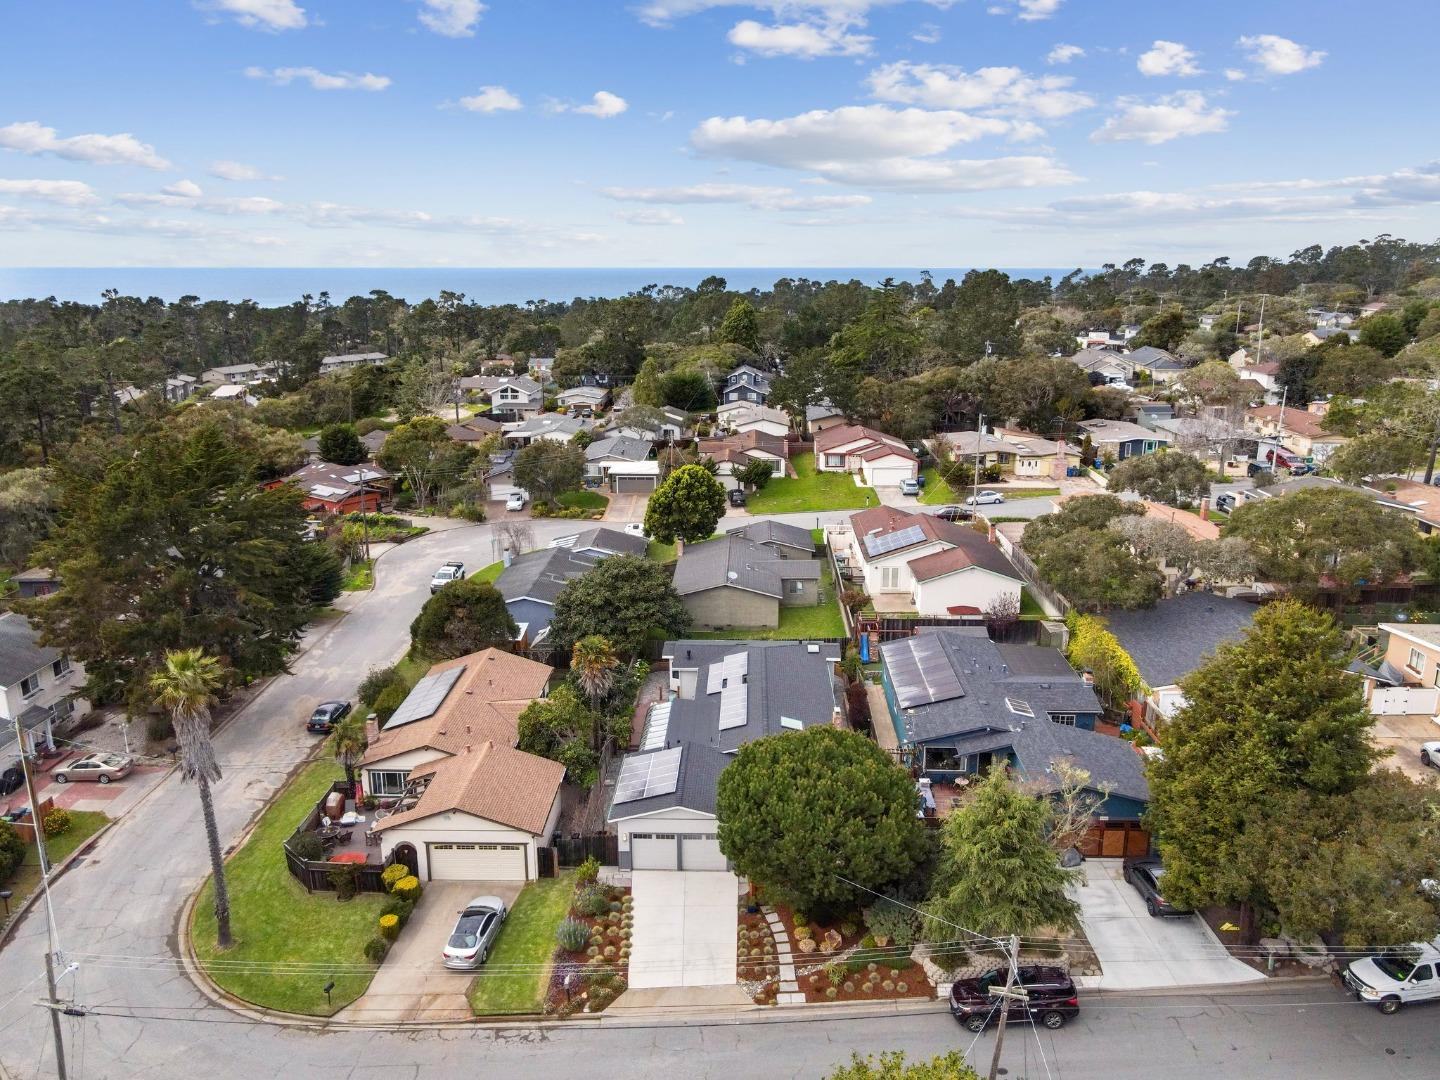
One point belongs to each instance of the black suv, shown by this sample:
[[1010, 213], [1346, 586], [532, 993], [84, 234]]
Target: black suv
[[1145, 874], [1050, 998], [737, 497]]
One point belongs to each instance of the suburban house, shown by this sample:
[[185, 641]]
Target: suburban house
[[330, 365], [1405, 678], [1373, 308], [1163, 366], [39, 685], [1121, 439], [599, 542], [746, 383], [238, 374], [668, 425], [180, 388], [531, 582], [234, 392], [1172, 639], [733, 452], [1321, 334], [37, 581], [789, 541], [722, 695], [513, 397], [622, 464], [474, 430], [822, 416], [501, 478], [922, 563], [553, 426], [540, 367], [579, 398], [1265, 375], [1037, 455], [736, 581], [1107, 339], [879, 460], [341, 489], [1105, 367], [1297, 430], [1421, 501], [1321, 317], [963, 705], [742, 416], [978, 448], [468, 806]]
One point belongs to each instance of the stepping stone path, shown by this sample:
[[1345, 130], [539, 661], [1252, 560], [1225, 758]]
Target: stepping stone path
[[790, 992]]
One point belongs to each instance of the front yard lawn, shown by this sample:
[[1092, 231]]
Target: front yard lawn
[[584, 500], [517, 974], [287, 941], [661, 553], [937, 492], [489, 573], [810, 490], [360, 576]]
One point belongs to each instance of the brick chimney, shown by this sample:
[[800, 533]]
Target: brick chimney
[[989, 531], [372, 728], [679, 547], [1205, 508], [1087, 677]]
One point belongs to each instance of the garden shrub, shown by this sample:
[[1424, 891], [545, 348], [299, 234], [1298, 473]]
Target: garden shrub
[[307, 846], [12, 851], [57, 821], [572, 934], [890, 920], [376, 948], [401, 909], [408, 888], [345, 879], [393, 874], [389, 926], [593, 902], [588, 872], [389, 700], [374, 684], [158, 728]]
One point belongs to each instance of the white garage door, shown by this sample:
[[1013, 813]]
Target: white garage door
[[477, 862], [890, 476], [701, 853], [653, 851]]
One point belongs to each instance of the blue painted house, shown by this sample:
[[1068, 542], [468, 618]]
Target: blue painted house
[[964, 705], [1122, 439]]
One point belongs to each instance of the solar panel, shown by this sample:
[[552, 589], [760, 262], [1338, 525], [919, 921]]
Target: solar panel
[[715, 677], [888, 542], [657, 726], [422, 702], [734, 706], [791, 723], [643, 776], [564, 541], [921, 672]]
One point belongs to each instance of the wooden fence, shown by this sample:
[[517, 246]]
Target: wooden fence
[[575, 849], [1031, 574], [315, 874]]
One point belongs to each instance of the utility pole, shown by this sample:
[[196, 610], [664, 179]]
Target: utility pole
[[53, 1001], [1005, 995], [979, 434]]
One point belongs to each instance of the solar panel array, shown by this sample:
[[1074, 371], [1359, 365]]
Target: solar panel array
[[646, 775], [735, 694], [921, 672], [422, 702], [888, 542]]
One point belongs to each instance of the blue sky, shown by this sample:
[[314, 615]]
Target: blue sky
[[709, 133]]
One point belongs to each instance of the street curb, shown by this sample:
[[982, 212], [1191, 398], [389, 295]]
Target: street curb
[[55, 872]]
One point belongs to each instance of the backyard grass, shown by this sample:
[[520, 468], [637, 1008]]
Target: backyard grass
[[584, 500], [526, 942], [83, 825], [821, 621], [286, 940], [360, 576], [1030, 607], [809, 490], [661, 553]]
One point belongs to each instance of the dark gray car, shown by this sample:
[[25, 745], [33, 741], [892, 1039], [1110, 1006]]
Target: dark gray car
[[1145, 874], [474, 934]]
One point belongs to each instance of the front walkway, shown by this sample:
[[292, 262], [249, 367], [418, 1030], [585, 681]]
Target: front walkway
[[1138, 952], [685, 923]]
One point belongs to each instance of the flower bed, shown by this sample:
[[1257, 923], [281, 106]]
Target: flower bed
[[757, 966], [598, 970], [846, 963]]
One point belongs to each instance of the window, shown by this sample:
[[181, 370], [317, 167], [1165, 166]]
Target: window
[[386, 781], [945, 758], [1416, 663], [834, 461], [1065, 718], [889, 577], [60, 668], [1422, 973], [30, 686], [797, 586]]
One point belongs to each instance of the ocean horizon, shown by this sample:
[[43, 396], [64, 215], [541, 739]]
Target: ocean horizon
[[276, 286]]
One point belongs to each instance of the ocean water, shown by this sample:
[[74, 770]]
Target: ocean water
[[274, 286]]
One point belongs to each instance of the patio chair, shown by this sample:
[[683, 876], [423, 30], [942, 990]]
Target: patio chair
[[372, 838]]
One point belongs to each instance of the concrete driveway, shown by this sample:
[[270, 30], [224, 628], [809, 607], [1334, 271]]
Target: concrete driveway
[[684, 928], [626, 507], [1139, 952], [1403, 736], [413, 982]]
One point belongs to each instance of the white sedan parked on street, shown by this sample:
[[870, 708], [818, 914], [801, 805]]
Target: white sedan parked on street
[[985, 498]]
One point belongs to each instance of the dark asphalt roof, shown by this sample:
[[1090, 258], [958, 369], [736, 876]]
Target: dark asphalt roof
[[695, 787], [20, 652], [619, 446], [612, 540], [541, 574], [777, 532], [1173, 638], [740, 563]]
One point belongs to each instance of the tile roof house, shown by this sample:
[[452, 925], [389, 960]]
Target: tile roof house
[[341, 489], [39, 685], [1173, 638], [1300, 431], [732, 453], [1422, 501], [928, 565], [746, 383], [723, 695], [469, 806], [965, 705], [736, 581], [880, 460]]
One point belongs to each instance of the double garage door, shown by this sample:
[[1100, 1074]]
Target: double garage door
[[629, 485], [676, 851], [477, 862]]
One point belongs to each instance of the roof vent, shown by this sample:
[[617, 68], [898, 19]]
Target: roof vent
[[732, 575]]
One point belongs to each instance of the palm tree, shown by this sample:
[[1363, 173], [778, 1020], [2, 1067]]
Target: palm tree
[[185, 688], [594, 663], [350, 745]]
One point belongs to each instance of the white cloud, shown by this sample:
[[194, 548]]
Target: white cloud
[[1168, 58], [877, 146], [603, 105], [1063, 54], [663, 12], [1006, 90], [758, 196], [928, 34], [451, 18], [237, 170], [1276, 55], [186, 189], [651, 217], [1170, 117], [64, 192], [30, 137], [269, 15], [319, 80], [1026, 10], [803, 40], [1234, 74], [491, 99]]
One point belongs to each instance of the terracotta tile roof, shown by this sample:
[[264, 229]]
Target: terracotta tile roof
[[848, 433], [484, 705], [966, 547], [509, 787], [1298, 421], [1423, 499], [1194, 524], [737, 447]]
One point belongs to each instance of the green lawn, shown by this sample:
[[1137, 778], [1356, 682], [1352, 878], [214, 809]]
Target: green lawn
[[360, 576], [809, 490], [83, 825], [527, 940], [490, 573], [661, 553], [279, 928], [1030, 607], [937, 492], [821, 621], [585, 500]]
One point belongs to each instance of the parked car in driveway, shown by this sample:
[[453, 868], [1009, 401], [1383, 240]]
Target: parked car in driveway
[[474, 934], [1145, 874], [1404, 976], [954, 513], [451, 571], [1430, 754], [326, 715], [737, 496], [102, 768], [909, 487], [1050, 998], [516, 501], [635, 528], [985, 498]]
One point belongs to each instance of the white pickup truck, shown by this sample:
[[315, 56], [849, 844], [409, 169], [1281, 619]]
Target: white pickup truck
[[1404, 976], [451, 571]]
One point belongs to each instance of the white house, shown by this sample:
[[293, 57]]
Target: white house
[[934, 567], [622, 463], [742, 416], [238, 374], [39, 685], [880, 460], [515, 396], [553, 426], [329, 365]]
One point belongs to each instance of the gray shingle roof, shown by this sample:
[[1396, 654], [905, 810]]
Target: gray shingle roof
[[611, 540], [20, 651], [1148, 356], [766, 531], [540, 575], [695, 786], [740, 563], [1170, 640], [619, 446]]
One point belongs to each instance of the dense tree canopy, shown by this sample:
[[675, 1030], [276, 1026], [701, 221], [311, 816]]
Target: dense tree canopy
[[687, 506], [624, 599], [1174, 478], [340, 445], [547, 468], [1092, 565], [463, 617]]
